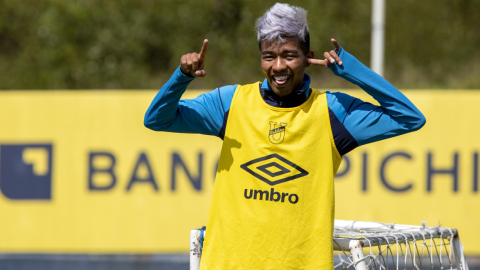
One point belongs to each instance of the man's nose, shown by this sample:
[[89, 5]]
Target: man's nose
[[279, 65]]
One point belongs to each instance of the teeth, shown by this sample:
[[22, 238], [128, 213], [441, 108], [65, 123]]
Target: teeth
[[281, 78]]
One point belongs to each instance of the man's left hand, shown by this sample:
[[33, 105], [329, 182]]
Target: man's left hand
[[330, 57]]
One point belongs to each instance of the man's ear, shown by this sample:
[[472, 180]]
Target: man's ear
[[309, 55]]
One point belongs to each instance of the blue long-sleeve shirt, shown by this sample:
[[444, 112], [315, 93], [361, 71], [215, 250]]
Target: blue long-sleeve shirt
[[353, 121]]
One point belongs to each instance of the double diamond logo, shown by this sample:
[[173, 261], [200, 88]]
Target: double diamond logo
[[274, 169]]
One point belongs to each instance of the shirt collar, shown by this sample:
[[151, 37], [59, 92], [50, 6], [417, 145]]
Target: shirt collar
[[305, 83]]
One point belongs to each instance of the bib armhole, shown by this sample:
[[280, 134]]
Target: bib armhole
[[330, 133]]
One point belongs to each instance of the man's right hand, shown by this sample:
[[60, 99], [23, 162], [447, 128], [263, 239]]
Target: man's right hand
[[193, 64]]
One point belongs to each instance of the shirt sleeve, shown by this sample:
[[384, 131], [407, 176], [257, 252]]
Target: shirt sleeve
[[366, 122], [203, 114]]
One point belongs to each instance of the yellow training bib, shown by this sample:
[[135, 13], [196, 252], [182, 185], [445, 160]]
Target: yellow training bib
[[273, 201]]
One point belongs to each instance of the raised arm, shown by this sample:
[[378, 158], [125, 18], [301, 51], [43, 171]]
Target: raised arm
[[364, 121], [203, 114]]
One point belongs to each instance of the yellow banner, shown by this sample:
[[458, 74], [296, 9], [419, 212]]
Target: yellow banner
[[80, 173]]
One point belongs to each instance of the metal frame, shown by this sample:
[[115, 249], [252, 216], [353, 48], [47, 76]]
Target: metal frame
[[195, 249], [377, 46], [355, 244]]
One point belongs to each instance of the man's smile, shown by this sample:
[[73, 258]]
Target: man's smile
[[280, 80]]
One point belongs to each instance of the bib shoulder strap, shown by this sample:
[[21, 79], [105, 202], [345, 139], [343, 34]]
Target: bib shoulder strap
[[318, 92], [251, 86]]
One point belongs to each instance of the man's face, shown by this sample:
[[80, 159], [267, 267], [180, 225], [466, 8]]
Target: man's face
[[284, 64]]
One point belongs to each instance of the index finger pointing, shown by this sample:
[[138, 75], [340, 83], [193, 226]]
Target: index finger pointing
[[204, 49], [317, 62], [335, 43]]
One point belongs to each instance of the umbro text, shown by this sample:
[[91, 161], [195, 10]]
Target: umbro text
[[272, 196]]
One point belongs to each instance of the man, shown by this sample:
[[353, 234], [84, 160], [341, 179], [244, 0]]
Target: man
[[273, 200]]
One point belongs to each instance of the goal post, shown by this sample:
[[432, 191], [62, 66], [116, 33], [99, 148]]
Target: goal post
[[374, 245], [396, 245], [196, 246]]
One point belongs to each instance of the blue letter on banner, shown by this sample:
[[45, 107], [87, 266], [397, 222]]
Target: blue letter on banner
[[195, 181], [453, 171], [107, 170], [382, 172], [149, 179]]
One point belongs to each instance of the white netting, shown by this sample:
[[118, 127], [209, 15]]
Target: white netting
[[381, 246], [396, 246]]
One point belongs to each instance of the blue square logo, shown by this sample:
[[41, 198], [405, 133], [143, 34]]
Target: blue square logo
[[26, 171]]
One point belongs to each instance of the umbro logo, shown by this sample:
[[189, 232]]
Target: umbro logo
[[274, 169]]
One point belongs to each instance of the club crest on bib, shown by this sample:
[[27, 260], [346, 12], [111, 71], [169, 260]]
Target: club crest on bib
[[276, 134]]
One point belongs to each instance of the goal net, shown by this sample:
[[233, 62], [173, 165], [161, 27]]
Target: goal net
[[374, 245]]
